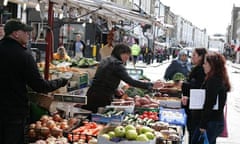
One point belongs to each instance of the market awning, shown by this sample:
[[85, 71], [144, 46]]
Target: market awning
[[107, 10], [112, 11]]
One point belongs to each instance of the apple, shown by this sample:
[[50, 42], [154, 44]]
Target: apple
[[142, 137], [119, 131], [145, 129], [149, 135], [111, 134], [106, 136], [129, 127], [131, 134]]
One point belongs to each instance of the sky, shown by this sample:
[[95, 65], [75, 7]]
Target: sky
[[214, 15]]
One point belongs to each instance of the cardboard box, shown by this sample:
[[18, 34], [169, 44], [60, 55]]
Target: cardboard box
[[81, 79]]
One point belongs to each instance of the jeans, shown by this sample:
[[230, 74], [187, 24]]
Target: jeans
[[214, 129]]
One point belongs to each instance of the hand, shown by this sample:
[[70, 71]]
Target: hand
[[184, 100], [64, 82], [158, 84], [119, 92]]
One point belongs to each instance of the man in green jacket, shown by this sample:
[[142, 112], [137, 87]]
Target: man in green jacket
[[135, 51]]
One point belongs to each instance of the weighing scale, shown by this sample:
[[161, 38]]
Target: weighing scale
[[67, 102]]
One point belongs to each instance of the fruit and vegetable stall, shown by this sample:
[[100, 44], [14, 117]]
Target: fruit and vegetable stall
[[139, 117]]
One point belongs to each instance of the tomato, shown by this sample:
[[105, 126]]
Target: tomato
[[141, 116]]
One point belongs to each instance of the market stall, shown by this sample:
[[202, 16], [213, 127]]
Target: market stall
[[139, 117]]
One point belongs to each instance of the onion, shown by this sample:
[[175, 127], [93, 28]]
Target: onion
[[32, 133], [32, 126], [50, 124], [56, 132], [45, 131], [57, 117], [44, 119]]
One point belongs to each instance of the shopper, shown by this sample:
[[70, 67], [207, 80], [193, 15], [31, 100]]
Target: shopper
[[135, 51], [216, 85], [110, 72], [179, 65], [193, 81], [61, 54], [18, 70], [106, 50], [78, 47]]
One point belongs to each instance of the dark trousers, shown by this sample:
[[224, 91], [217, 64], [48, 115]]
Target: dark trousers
[[12, 130], [214, 129]]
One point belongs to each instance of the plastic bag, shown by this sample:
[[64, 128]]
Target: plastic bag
[[199, 137]]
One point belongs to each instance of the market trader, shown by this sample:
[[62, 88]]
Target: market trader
[[18, 70], [110, 72]]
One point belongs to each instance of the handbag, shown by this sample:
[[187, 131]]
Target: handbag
[[225, 130], [199, 137]]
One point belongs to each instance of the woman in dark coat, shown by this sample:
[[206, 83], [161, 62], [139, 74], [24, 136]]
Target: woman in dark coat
[[194, 81], [179, 65], [216, 85], [108, 76]]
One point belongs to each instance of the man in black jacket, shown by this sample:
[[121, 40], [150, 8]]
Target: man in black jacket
[[78, 47], [18, 71]]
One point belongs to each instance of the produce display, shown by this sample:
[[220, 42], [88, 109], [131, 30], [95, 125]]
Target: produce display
[[85, 133], [84, 62], [50, 126], [139, 117], [128, 133], [145, 102]]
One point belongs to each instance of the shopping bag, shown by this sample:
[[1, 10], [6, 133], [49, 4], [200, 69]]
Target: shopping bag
[[199, 137], [225, 130]]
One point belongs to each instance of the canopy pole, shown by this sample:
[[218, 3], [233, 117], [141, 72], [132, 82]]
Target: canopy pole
[[49, 39]]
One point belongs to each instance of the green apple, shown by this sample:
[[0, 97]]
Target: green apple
[[111, 134], [149, 135], [145, 129], [106, 136], [119, 131], [129, 127], [142, 137], [131, 134]]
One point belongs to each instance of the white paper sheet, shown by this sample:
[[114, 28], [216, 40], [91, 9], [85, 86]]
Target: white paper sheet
[[197, 98]]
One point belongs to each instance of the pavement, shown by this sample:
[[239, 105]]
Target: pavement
[[237, 66]]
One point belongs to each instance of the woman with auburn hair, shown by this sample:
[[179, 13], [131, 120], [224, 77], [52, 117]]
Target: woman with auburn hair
[[216, 85]]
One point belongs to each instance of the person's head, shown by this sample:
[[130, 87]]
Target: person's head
[[198, 56], [182, 55], [121, 52], [214, 65], [78, 37], [61, 51], [17, 30], [2, 33], [136, 41]]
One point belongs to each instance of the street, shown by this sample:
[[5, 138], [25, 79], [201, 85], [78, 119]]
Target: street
[[156, 71]]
